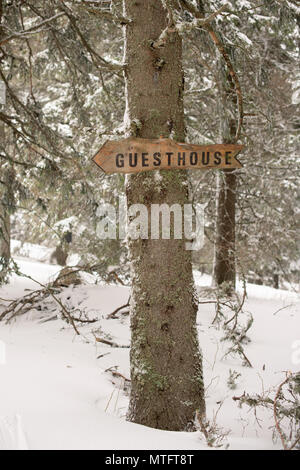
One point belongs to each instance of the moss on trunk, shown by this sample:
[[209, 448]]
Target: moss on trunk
[[166, 365]]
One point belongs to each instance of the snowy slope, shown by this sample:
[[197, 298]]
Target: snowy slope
[[57, 392]]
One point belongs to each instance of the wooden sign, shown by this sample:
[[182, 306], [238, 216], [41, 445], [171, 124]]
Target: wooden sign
[[134, 155]]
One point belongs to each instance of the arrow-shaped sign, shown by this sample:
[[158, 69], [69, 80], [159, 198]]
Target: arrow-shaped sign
[[133, 155]]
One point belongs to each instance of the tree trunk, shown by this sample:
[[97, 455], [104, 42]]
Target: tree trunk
[[225, 262], [6, 181], [4, 212], [276, 281], [225, 251], [4, 241], [5, 190], [166, 365]]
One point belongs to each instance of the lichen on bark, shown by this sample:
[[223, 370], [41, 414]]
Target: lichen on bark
[[166, 364]]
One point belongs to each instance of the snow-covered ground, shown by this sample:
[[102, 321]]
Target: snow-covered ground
[[58, 390]]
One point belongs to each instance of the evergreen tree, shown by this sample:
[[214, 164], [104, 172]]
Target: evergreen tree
[[166, 368]]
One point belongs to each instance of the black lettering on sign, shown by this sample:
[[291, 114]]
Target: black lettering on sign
[[144, 159], [228, 158], [181, 158], [169, 157], [217, 158], [205, 158], [133, 160], [120, 160], [193, 158], [157, 159]]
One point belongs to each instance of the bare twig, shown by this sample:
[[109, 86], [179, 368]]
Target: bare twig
[[93, 7], [172, 27], [218, 42], [277, 425], [113, 314], [235, 316], [115, 373], [26, 303], [108, 342], [34, 29], [117, 278]]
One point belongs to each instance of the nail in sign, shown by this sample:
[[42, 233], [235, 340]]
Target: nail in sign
[[134, 155]]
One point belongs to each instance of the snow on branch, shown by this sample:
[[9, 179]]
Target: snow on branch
[[32, 30], [96, 58], [219, 44], [180, 27], [96, 8]]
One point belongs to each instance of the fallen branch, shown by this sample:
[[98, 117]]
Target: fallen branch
[[65, 312], [277, 425], [26, 303], [283, 407], [239, 309], [109, 343], [113, 314], [118, 374], [105, 341], [115, 275], [85, 320]]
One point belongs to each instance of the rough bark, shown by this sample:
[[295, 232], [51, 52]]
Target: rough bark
[[225, 258], [225, 249], [5, 193], [166, 365], [4, 238], [6, 202], [4, 213], [59, 256], [276, 281]]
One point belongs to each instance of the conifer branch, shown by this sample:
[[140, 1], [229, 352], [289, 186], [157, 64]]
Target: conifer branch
[[33, 30], [174, 27], [95, 9], [113, 66], [218, 43]]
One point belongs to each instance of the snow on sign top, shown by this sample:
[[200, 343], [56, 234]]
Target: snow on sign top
[[134, 155], [2, 93]]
